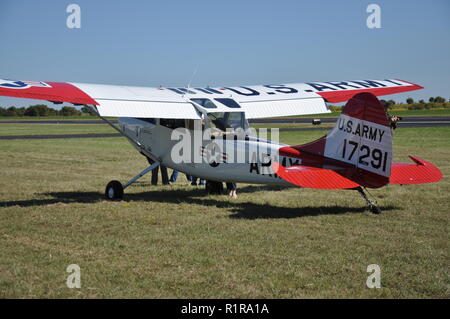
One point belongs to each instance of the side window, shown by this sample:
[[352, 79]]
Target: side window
[[147, 119], [206, 103], [172, 123], [229, 103]]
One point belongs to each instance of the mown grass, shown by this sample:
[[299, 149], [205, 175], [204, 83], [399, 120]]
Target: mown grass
[[430, 112], [53, 129], [174, 241], [47, 118]]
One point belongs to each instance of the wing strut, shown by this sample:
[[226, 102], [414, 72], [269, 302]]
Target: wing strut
[[133, 141]]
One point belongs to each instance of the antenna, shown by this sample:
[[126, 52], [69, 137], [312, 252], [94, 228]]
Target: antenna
[[192, 77]]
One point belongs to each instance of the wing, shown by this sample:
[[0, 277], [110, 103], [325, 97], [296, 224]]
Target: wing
[[257, 101], [110, 100], [303, 98]]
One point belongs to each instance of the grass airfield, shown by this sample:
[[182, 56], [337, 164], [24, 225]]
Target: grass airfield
[[175, 242]]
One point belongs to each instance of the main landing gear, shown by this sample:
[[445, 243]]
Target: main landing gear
[[114, 189], [372, 205]]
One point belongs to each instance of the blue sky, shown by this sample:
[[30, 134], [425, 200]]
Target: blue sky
[[152, 43]]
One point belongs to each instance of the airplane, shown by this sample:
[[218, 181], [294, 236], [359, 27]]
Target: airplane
[[204, 132]]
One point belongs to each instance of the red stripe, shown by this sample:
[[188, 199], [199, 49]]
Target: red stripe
[[58, 92], [342, 96]]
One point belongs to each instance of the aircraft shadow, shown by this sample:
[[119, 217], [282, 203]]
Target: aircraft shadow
[[245, 210]]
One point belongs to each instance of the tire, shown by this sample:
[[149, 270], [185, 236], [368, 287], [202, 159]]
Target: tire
[[375, 210], [114, 190]]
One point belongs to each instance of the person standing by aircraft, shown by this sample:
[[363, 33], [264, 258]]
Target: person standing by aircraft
[[155, 171], [231, 188], [393, 119], [194, 181], [174, 176]]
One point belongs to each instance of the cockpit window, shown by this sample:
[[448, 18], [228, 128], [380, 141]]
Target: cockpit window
[[206, 103], [229, 102], [227, 120]]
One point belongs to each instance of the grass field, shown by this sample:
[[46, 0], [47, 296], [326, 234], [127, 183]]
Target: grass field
[[430, 112], [53, 129], [173, 241]]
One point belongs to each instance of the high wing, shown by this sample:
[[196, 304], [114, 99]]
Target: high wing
[[257, 101]]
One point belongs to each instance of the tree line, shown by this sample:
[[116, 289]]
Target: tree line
[[437, 102], [44, 110]]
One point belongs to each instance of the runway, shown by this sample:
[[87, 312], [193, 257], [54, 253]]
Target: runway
[[420, 121]]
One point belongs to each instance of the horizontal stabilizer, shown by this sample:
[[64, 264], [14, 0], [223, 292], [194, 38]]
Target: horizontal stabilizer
[[313, 177], [419, 173]]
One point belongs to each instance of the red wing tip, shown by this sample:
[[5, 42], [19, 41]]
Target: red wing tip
[[417, 86]]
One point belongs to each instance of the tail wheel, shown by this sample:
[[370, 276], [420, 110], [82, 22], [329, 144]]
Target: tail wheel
[[375, 209], [114, 190]]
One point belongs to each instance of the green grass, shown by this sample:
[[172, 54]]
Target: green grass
[[431, 112], [173, 241], [47, 118], [53, 129], [53, 118], [438, 112]]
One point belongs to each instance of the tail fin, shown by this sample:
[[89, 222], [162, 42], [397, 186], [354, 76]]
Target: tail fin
[[359, 148]]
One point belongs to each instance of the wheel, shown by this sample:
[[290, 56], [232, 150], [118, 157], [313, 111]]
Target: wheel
[[374, 209], [114, 190]]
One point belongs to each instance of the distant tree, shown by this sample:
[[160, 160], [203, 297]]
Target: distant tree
[[39, 110], [409, 100], [2, 111], [87, 110], [11, 111], [31, 111], [439, 99], [69, 111], [431, 100], [20, 111], [390, 103], [421, 101]]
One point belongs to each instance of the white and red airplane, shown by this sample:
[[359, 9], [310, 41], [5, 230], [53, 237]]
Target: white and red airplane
[[168, 125]]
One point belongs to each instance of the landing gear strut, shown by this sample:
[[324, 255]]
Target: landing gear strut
[[114, 189], [372, 205]]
